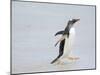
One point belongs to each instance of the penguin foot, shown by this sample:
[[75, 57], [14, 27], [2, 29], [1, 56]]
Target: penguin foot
[[59, 62], [73, 58]]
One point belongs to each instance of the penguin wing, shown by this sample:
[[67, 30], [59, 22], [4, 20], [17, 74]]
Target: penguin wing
[[62, 38], [60, 32]]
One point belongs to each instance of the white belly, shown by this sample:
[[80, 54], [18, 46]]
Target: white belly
[[69, 43]]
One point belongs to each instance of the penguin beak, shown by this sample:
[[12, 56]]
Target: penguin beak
[[62, 38], [77, 20]]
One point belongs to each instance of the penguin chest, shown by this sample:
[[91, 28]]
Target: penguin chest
[[69, 42]]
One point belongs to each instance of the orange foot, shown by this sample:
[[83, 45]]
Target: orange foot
[[73, 58]]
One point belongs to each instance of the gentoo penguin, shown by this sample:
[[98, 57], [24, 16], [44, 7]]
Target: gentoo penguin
[[66, 41]]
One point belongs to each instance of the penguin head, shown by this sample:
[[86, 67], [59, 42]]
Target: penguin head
[[70, 24], [73, 21]]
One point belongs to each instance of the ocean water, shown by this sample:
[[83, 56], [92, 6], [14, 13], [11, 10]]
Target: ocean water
[[33, 29]]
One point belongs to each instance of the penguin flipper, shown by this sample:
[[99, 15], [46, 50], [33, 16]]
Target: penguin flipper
[[60, 32], [61, 47], [62, 38]]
